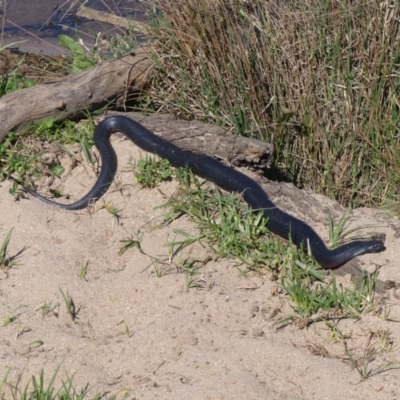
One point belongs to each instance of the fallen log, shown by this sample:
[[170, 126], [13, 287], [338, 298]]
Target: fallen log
[[74, 95], [200, 137]]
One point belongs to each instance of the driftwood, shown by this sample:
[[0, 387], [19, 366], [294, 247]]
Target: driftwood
[[72, 96], [101, 16], [199, 137]]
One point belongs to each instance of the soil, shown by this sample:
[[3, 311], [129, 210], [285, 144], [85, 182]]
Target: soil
[[141, 332], [32, 66]]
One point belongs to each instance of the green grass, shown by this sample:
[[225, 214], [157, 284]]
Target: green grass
[[80, 61], [49, 309], [232, 230], [6, 261], [14, 81], [32, 155], [70, 305], [150, 171], [310, 296], [38, 389], [8, 319], [83, 269], [133, 241]]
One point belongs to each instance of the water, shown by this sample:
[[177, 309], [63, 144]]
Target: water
[[33, 25]]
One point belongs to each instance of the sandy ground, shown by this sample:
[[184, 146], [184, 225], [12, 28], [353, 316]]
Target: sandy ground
[[144, 336]]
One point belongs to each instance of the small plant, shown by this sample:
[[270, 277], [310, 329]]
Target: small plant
[[152, 170], [83, 270], [309, 296], [192, 270], [133, 241], [8, 319], [114, 212], [69, 303], [37, 389], [336, 233], [128, 332], [362, 364], [80, 61], [5, 260], [49, 308], [336, 336], [16, 191], [14, 80], [339, 233]]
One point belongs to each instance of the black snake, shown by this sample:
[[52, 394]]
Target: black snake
[[279, 222]]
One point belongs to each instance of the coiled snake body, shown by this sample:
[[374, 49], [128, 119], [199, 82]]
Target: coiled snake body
[[279, 222]]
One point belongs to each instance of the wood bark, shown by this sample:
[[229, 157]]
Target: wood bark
[[72, 96], [199, 137]]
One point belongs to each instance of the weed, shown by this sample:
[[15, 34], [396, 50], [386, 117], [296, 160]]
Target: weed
[[363, 364], [36, 388], [14, 80], [340, 233], [151, 170], [134, 241], [192, 270], [115, 212], [385, 342], [80, 62], [5, 260], [8, 319], [69, 303], [360, 358], [48, 308], [309, 296], [128, 332], [83, 270], [33, 155], [336, 233], [336, 336]]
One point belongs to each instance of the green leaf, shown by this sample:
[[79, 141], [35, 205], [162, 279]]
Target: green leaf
[[70, 44], [81, 62], [57, 169]]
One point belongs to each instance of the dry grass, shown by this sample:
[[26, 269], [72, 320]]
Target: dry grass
[[321, 79]]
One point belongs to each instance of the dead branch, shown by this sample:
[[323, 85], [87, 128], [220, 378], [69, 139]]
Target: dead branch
[[72, 96]]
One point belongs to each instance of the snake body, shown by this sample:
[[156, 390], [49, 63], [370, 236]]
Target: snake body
[[279, 222]]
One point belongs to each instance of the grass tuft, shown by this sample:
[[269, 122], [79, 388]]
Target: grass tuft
[[38, 389]]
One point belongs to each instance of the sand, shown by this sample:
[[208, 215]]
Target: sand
[[143, 333]]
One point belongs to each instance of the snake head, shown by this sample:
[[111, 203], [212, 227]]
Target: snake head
[[376, 246]]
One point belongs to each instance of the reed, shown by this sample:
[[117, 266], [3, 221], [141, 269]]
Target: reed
[[320, 79]]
